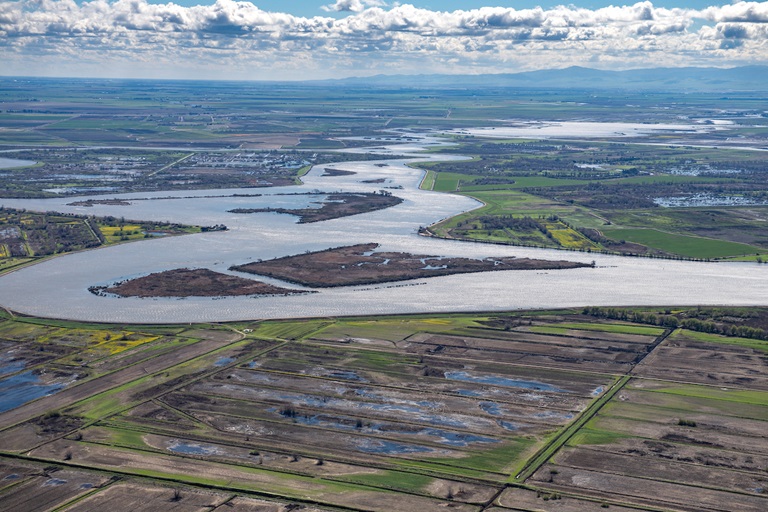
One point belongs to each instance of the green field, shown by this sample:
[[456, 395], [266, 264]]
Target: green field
[[692, 247]]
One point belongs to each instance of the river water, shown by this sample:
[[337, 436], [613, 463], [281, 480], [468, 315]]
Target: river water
[[58, 288], [10, 163]]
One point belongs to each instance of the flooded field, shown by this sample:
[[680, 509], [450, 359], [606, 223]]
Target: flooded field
[[389, 414], [545, 130]]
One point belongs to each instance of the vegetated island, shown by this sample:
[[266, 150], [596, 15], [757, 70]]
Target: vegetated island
[[109, 202], [186, 282], [330, 171], [359, 264], [342, 204], [128, 202]]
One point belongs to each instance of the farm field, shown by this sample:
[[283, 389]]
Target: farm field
[[653, 408], [695, 194], [538, 410], [26, 236], [628, 198]]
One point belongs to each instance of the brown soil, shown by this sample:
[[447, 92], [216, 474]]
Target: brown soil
[[185, 282], [526, 499], [128, 497], [707, 363], [567, 352], [357, 264], [666, 495], [50, 490], [334, 207], [235, 477], [264, 141], [685, 473]]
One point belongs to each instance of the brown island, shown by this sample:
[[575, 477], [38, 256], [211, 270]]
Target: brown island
[[330, 171], [359, 264], [185, 282], [335, 206]]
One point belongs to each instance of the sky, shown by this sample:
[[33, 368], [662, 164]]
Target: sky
[[318, 39]]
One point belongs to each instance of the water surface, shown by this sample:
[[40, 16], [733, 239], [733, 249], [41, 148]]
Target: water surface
[[58, 288], [10, 163]]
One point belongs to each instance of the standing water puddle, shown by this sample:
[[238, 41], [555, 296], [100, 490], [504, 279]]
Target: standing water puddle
[[503, 381], [192, 448], [19, 389], [443, 436], [12, 367], [346, 375], [389, 447]]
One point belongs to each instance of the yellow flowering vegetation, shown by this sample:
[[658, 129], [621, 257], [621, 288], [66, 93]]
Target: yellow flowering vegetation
[[124, 232], [569, 238], [101, 343]]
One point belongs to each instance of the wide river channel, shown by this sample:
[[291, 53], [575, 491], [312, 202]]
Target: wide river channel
[[58, 288]]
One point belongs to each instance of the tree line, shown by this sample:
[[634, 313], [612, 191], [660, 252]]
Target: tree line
[[677, 321]]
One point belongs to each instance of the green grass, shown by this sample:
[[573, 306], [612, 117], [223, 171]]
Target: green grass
[[592, 436], [683, 245], [389, 479], [448, 471], [760, 345], [504, 459], [503, 202], [524, 182], [666, 178], [683, 404], [126, 438], [712, 393], [287, 330], [614, 328], [302, 172], [428, 183], [395, 328], [9, 263], [450, 181]]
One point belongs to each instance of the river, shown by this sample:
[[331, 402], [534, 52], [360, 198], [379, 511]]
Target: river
[[58, 287]]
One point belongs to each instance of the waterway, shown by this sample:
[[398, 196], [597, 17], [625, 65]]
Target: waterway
[[10, 163], [58, 288]]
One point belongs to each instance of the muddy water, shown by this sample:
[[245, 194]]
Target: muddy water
[[59, 288]]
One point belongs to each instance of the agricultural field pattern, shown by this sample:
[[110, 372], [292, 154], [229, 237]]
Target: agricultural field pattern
[[529, 411], [229, 243]]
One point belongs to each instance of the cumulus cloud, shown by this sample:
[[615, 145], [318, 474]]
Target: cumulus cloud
[[750, 12], [352, 5], [247, 42]]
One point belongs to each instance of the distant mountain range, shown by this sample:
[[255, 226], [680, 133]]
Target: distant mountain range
[[746, 78]]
